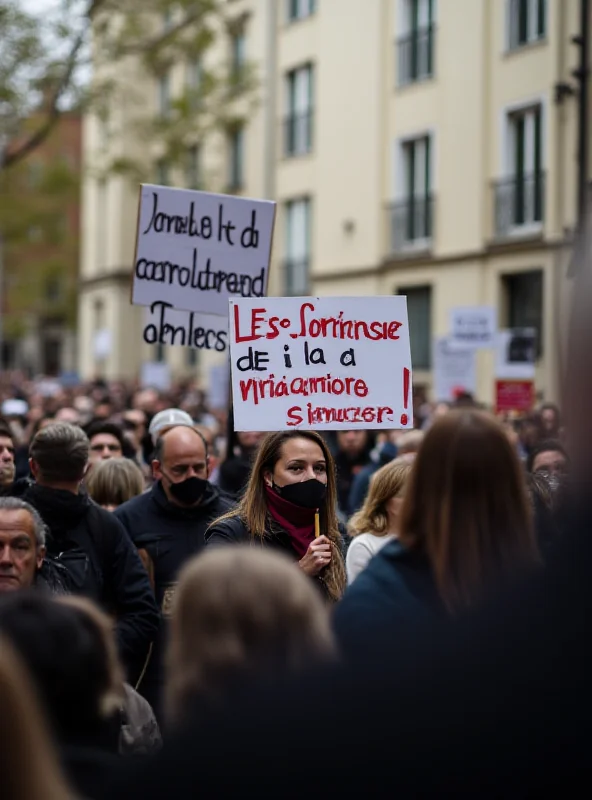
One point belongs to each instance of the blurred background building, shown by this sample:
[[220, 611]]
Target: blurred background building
[[423, 147]]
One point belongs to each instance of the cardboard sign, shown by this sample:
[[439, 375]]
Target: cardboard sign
[[218, 387], [473, 326], [455, 370], [165, 325], [514, 396], [516, 354], [324, 363], [194, 250]]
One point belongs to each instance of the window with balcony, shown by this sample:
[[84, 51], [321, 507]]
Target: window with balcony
[[524, 302], [299, 9], [519, 198], [238, 44], [192, 357], [411, 213], [236, 146], [527, 20], [419, 312], [415, 47], [297, 253], [298, 131], [192, 171]]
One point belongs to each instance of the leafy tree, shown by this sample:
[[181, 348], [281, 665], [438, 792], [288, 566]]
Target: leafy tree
[[106, 58]]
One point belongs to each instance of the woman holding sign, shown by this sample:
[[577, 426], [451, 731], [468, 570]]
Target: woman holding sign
[[290, 505]]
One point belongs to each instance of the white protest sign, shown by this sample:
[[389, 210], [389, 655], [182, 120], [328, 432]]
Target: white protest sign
[[473, 326], [455, 369], [324, 363], [165, 325], [516, 354], [155, 375], [194, 250], [102, 344], [218, 387]]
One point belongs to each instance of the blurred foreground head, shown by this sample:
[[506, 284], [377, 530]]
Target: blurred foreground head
[[241, 611], [467, 508]]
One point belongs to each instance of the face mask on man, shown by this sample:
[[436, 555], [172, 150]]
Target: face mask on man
[[189, 491], [306, 494]]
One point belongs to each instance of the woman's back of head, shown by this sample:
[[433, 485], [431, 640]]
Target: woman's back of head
[[237, 611], [467, 506], [28, 763], [69, 660], [114, 481]]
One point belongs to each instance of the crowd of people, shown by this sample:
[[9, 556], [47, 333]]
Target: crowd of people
[[154, 562]]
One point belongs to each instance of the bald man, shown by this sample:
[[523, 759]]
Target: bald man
[[168, 523]]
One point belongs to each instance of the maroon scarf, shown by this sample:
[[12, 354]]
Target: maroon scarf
[[298, 522]]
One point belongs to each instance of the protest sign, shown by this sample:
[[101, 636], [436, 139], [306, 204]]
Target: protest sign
[[320, 363], [516, 354], [473, 326], [218, 387], [514, 396], [455, 369], [102, 344], [155, 375], [165, 325], [194, 250]]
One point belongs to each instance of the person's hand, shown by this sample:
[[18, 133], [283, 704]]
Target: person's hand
[[317, 556]]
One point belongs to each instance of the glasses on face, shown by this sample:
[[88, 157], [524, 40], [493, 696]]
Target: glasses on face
[[100, 448]]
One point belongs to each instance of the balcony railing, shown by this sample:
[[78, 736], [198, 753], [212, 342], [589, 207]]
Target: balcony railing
[[519, 203], [298, 133], [415, 55], [296, 277], [410, 223]]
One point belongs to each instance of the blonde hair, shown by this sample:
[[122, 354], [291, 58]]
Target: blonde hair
[[238, 610], [28, 762], [252, 507], [387, 482], [114, 481], [114, 693], [410, 442]]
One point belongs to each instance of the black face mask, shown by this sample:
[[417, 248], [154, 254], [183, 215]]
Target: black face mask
[[306, 494], [189, 491]]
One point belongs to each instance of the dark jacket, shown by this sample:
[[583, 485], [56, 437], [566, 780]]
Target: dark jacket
[[170, 535], [395, 591], [102, 564], [235, 531]]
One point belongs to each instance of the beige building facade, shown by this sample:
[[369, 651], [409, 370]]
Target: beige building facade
[[412, 146]]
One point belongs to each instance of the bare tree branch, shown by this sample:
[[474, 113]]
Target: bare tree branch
[[52, 111]]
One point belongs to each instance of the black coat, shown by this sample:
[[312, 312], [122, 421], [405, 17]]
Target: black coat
[[395, 591], [102, 564], [170, 535]]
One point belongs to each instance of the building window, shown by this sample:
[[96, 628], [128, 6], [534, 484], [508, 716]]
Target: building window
[[527, 20], [192, 176], [415, 48], [519, 198], [299, 112], [411, 213], [162, 173], [297, 261], [419, 312], [524, 302], [238, 43], [192, 357], [299, 9], [53, 289], [164, 95], [35, 174], [236, 146], [193, 78], [159, 353]]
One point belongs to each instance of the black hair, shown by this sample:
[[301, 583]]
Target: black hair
[[547, 446], [97, 427], [66, 657]]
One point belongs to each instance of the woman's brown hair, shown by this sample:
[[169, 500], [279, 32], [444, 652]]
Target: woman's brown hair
[[252, 507], [28, 762], [467, 507], [238, 610], [387, 482], [114, 481]]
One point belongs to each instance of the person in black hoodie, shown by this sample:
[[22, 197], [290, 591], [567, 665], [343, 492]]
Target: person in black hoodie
[[168, 524], [100, 559]]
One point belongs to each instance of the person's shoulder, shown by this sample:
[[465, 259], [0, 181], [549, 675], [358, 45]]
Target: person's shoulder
[[230, 529], [134, 506], [221, 501]]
